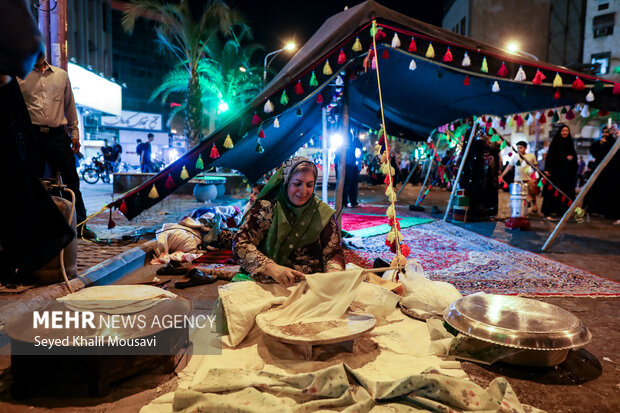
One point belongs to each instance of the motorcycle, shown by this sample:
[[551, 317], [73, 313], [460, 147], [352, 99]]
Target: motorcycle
[[99, 169]]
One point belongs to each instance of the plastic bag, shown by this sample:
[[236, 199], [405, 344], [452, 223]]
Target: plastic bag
[[424, 294]]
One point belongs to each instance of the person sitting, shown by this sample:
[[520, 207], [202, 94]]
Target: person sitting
[[289, 232], [256, 189]]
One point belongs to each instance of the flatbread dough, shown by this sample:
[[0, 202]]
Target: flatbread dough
[[321, 297], [116, 299]]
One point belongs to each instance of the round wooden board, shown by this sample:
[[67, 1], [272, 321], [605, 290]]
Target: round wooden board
[[350, 327]]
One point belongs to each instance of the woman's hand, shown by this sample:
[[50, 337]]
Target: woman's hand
[[282, 275]]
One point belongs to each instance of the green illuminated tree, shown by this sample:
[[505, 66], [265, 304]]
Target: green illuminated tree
[[184, 30]]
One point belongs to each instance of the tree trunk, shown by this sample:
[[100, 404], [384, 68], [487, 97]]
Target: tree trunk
[[193, 112]]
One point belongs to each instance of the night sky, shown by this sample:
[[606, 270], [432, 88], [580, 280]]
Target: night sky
[[275, 22]]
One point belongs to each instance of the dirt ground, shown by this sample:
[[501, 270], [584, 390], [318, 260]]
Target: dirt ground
[[588, 381]]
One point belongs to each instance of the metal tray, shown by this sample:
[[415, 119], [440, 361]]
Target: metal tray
[[516, 322]]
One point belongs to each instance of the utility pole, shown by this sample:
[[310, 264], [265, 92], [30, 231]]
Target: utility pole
[[53, 27]]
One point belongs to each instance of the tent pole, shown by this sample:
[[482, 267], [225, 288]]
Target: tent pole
[[342, 167], [461, 166], [326, 165], [428, 172], [582, 195], [408, 178]]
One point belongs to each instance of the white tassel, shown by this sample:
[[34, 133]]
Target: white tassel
[[585, 112], [520, 77], [466, 61], [538, 114], [268, 107], [412, 65], [276, 123], [395, 41], [590, 97], [530, 120], [339, 81], [495, 87]]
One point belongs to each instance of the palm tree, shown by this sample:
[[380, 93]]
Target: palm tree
[[185, 35]]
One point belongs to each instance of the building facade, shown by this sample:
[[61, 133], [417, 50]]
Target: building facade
[[602, 37]]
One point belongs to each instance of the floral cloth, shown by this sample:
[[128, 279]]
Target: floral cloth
[[323, 255]]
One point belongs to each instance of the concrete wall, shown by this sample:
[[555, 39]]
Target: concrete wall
[[89, 34], [566, 29], [454, 15], [604, 44]]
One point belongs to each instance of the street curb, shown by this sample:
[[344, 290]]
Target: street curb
[[116, 267]]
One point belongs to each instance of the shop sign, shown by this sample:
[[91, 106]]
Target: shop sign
[[134, 120], [93, 91]]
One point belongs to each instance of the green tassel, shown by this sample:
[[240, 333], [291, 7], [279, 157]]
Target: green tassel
[[564, 110], [313, 81], [199, 163], [598, 86], [485, 67], [540, 184], [284, 98], [259, 148], [373, 31], [503, 145], [494, 138], [556, 117], [527, 116], [357, 46]]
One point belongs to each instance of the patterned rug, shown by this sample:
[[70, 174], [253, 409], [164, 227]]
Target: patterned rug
[[474, 263]]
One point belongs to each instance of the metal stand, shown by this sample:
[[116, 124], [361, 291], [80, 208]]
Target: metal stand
[[326, 166], [408, 178], [461, 166], [428, 172]]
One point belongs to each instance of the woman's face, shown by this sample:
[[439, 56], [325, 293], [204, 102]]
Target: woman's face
[[565, 132], [300, 187]]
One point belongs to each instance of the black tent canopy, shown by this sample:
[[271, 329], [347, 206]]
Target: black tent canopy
[[437, 92]]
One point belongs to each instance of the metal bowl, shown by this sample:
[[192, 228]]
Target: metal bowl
[[516, 322]]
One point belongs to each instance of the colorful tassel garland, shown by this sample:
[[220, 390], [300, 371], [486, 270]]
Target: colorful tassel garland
[[412, 46], [299, 113], [313, 80], [466, 60], [590, 97], [319, 98], [578, 84], [503, 71], [259, 148], [495, 87], [357, 46], [385, 54], [538, 77], [228, 142], [412, 65], [447, 57], [466, 80], [268, 108], [276, 123], [327, 69], [284, 98], [430, 52], [342, 57], [557, 81], [199, 163], [153, 194], [123, 208], [299, 90], [485, 67], [184, 174], [256, 120], [557, 95], [520, 77], [214, 152], [395, 41]]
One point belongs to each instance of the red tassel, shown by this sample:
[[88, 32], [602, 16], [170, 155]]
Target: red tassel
[[538, 78], [405, 250], [556, 95], [319, 98], [388, 243], [550, 113], [616, 90], [393, 248], [603, 113], [549, 187], [382, 139], [447, 57], [385, 54], [256, 120], [543, 181], [466, 81], [505, 186], [503, 71], [341, 57], [412, 46], [214, 155], [570, 115], [261, 133], [298, 88], [542, 118], [123, 208], [380, 35], [169, 182], [386, 180], [563, 198], [111, 223], [578, 84], [519, 120], [570, 202], [371, 54], [556, 194]]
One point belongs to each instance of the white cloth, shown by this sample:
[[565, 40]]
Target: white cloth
[[523, 170], [49, 99]]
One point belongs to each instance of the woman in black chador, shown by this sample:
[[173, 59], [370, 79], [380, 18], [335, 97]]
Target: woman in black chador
[[561, 168], [480, 177], [603, 197]]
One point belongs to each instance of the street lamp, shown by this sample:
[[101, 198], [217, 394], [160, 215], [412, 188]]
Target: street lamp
[[513, 47], [290, 46]]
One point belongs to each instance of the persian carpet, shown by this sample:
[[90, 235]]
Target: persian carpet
[[474, 263]]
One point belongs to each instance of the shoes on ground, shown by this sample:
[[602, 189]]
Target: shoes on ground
[[196, 277], [172, 268]]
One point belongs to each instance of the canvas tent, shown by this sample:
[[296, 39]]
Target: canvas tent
[[440, 90]]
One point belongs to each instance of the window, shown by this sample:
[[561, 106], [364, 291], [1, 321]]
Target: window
[[463, 26], [603, 6], [603, 25], [601, 59]]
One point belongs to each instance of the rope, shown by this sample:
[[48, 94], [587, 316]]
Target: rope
[[385, 134]]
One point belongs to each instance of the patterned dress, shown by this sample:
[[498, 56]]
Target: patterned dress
[[323, 255]]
